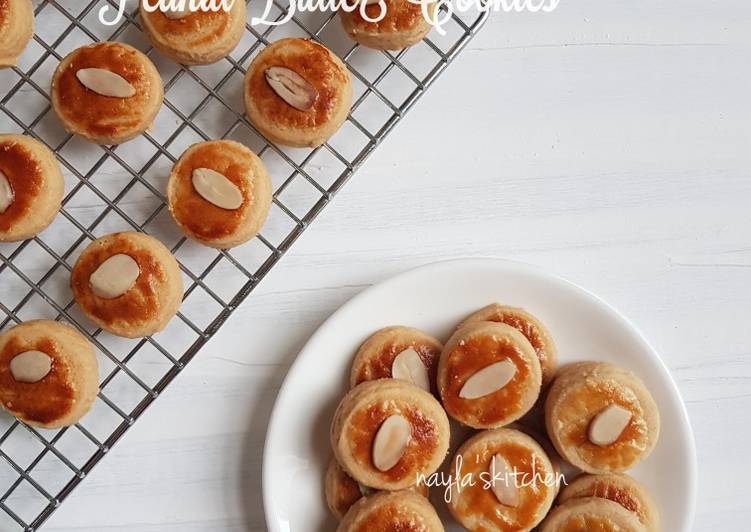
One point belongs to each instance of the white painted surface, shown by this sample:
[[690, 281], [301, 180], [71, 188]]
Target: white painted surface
[[609, 142]]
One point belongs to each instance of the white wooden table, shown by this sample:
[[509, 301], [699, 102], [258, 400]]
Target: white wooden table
[[609, 142]]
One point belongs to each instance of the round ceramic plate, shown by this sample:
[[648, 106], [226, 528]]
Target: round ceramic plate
[[435, 298]]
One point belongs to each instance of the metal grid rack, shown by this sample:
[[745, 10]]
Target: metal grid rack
[[121, 188]]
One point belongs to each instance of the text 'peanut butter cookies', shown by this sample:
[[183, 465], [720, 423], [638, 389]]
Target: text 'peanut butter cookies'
[[219, 193], [399, 511], [31, 187], [128, 283], [48, 374], [195, 37], [527, 324], [488, 375], [618, 488], [297, 93], [402, 25], [601, 418], [400, 353], [387, 432], [588, 514], [107, 92], [509, 482], [16, 29]]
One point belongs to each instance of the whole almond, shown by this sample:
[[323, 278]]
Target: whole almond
[[114, 276], [488, 380], [6, 193], [390, 442], [177, 14], [608, 425], [217, 189], [105, 82], [291, 87], [408, 366], [30, 366]]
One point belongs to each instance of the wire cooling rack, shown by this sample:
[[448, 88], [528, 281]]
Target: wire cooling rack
[[121, 188]]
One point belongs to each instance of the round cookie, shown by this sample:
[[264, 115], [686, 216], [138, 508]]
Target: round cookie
[[48, 374], [107, 92], [219, 193], [342, 491], [601, 418], [195, 38], [403, 25], [128, 284], [621, 489], [488, 375], [31, 187], [513, 482], [387, 432], [398, 352], [16, 29], [399, 511], [591, 513], [537, 334], [297, 93]]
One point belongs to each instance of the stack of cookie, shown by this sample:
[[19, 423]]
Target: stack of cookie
[[520, 418]]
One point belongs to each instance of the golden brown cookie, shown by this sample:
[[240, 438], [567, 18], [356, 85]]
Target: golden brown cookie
[[16, 29], [342, 491], [48, 373], [107, 92], [513, 482], [488, 375], [195, 37], [128, 284], [387, 432], [618, 488], [601, 418], [589, 515], [537, 334], [31, 187], [403, 24], [402, 511], [297, 93], [398, 352], [219, 193]]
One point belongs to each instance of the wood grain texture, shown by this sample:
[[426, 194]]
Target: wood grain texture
[[608, 142]]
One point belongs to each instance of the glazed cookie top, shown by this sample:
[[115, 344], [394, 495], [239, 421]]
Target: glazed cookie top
[[215, 203], [590, 399], [130, 291], [321, 76], [489, 375], [401, 15], [401, 511], [398, 352], [80, 100], [193, 29], [21, 180], [514, 481]]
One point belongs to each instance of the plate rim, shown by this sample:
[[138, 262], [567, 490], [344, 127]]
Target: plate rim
[[424, 269]]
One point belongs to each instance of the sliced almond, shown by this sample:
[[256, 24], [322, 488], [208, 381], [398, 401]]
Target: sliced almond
[[30, 366], [217, 189], [390, 442], [177, 13], [105, 82], [608, 425], [114, 276], [6, 193], [291, 87], [488, 380], [408, 366], [504, 481]]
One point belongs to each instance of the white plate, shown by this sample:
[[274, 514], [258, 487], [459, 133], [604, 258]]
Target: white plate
[[435, 298]]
